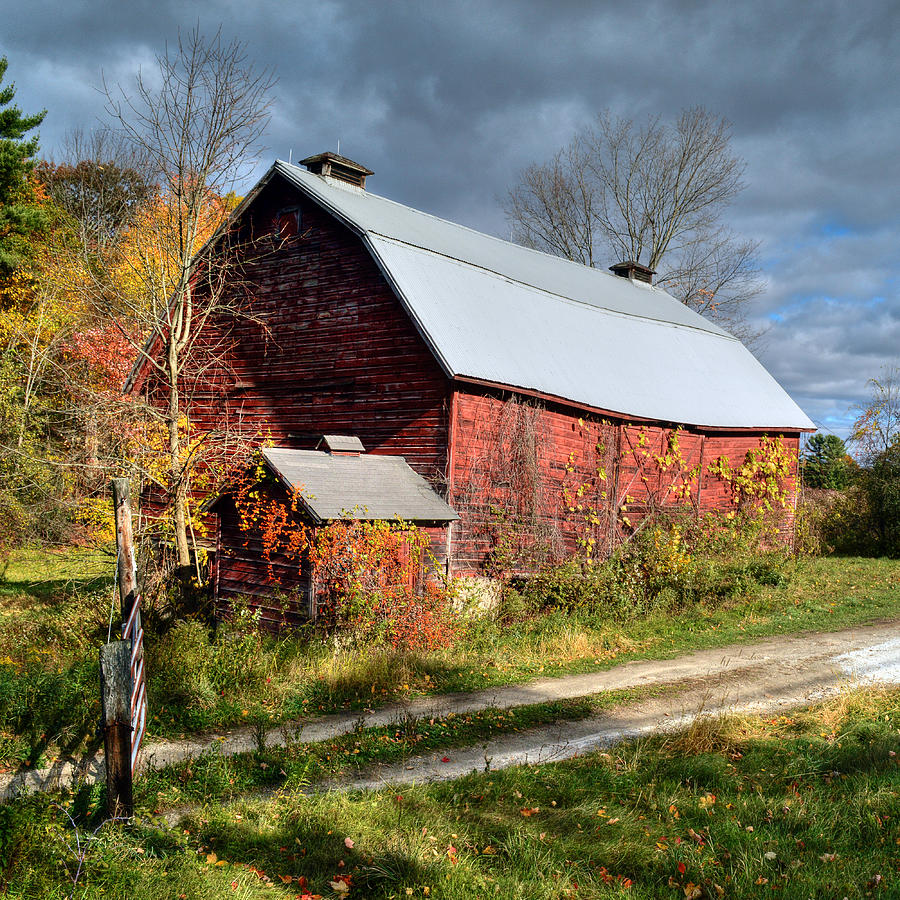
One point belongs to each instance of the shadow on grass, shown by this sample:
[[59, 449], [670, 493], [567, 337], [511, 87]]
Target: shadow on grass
[[312, 847], [51, 709]]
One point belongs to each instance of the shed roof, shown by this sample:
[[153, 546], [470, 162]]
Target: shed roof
[[495, 311], [358, 487]]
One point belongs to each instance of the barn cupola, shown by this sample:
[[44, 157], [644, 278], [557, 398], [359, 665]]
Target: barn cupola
[[330, 165], [341, 445], [633, 271]]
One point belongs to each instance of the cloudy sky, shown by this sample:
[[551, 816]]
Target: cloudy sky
[[448, 101]]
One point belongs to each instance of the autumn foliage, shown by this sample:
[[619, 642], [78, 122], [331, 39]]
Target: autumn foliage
[[375, 579]]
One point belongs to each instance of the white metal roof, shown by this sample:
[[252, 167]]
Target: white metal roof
[[498, 312], [358, 487]]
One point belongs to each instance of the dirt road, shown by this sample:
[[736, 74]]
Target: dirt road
[[773, 674]]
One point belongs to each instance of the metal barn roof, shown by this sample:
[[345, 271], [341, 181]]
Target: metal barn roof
[[495, 311], [358, 487]]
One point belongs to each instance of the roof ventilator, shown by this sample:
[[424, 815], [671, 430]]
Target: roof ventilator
[[633, 271], [341, 445], [337, 167]]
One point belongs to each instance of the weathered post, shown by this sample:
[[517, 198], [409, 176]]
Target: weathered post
[[115, 692], [122, 670], [127, 568]]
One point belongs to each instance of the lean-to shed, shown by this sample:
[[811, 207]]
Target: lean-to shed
[[339, 483], [507, 378]]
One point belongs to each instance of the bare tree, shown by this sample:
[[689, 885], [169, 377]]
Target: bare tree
[[197, 121], [651, 193], [877, 425]]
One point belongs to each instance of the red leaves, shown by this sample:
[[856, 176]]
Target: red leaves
[[107, 354], [368, 574], [607, 878]]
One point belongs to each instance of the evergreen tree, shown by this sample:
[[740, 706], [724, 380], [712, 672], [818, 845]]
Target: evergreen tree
[[20, 217], [825, 462]]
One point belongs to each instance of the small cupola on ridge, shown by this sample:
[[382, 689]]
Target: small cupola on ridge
[[330, 165], [633, 271]]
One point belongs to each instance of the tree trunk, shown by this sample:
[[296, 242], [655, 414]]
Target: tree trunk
[[179, 504]]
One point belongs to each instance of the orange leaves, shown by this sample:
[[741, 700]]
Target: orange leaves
[[607, 878], [164, 236], [368, 575]]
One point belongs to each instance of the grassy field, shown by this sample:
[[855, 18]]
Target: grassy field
[[804, 805], [55, 611]]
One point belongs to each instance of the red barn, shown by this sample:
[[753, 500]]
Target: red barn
[[546, 401]]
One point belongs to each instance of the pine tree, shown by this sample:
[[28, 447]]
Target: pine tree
[[825, 462], [20, 217]]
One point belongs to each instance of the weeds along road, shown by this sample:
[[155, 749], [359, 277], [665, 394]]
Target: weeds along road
[[777, 673]]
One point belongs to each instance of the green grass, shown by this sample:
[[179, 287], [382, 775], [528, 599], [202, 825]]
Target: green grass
[[214, 777], [51, 624], [798, 806]]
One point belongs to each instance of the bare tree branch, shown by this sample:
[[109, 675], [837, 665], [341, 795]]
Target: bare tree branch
[[198, 122], [652, 193]]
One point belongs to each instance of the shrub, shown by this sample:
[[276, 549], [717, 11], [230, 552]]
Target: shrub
[[192, 667], [881, 484], [863, 519], [667, 565]]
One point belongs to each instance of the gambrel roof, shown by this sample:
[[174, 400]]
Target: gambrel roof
[[495, 312]]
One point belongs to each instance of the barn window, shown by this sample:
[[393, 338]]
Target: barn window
[[287, 223]]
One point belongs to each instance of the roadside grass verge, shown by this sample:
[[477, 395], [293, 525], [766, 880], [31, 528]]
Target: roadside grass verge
[[214, 777], [803, 805], [51, 625]]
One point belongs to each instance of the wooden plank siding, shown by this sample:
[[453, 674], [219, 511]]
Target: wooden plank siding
[[516, 512], [322, 345], [242, 573]]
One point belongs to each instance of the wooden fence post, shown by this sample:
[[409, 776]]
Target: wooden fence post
[[122, 678], [127, 568], [115, 692]]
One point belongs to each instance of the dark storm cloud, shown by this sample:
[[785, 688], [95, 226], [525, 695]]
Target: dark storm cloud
[[447, 101]]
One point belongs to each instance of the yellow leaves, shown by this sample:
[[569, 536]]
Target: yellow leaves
[[164, 236]]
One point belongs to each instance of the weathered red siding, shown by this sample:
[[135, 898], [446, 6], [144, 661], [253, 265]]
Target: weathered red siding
[[323, 345], [518, 468], [320, 345], [242, 572]]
